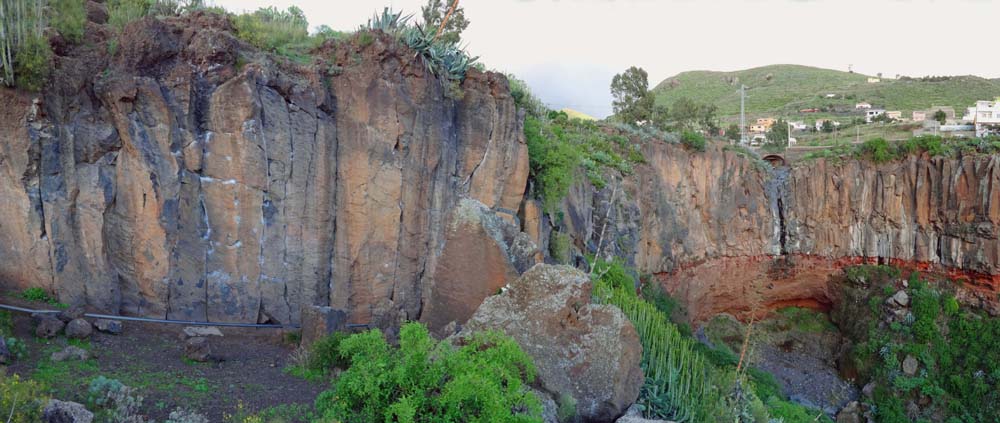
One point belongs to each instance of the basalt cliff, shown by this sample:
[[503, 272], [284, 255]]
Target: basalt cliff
[[186, 176]]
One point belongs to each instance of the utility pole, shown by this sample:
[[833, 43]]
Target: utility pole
[[743, 116]]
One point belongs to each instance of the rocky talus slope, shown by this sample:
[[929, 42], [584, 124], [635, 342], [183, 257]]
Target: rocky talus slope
[[188, 176]]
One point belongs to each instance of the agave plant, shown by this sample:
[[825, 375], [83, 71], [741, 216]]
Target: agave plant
[[389, 21]]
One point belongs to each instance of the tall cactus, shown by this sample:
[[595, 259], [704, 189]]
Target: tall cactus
[[19, 21], [686, 387]]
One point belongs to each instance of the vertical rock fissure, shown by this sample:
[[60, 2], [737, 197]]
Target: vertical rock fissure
[[776, 190]]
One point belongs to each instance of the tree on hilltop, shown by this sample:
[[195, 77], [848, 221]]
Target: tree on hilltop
[[434, 13]]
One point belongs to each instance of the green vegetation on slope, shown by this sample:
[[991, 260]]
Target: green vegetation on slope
[[423, 380], [879, 150], [786, 89], [954, 352], [687, 381]]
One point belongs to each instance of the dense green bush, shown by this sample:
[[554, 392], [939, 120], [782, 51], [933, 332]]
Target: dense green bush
[[284, 32], [560, 247], [121, 12], [32, 63], [21, 401], [878, 150], [68, 17], [693, 140], [482, 380], [553, 162], [958, 350]]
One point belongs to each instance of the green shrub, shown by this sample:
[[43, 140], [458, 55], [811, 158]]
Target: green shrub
[[121, 12], [614, 274], [32, 63], [790, 412], [68, 17], [693, 140], [878, 150], [933, 145], [560, 247], [36, 294], [324, 354], [552, 161], [274, 30], [424, 380], [21, 401]]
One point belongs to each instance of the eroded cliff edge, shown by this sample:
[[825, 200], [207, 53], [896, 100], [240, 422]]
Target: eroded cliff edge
[[185, 175], [726, 233]]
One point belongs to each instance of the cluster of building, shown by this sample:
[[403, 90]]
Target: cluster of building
[[980, 120]]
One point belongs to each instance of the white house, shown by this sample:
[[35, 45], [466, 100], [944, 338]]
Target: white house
[[862, 105], [831, 96], [874, 80], [985, 115], [894, 115], [798, 126], [871, 114], [819, 123]]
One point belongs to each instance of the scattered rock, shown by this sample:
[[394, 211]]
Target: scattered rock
[[634, 415], [70, 353], [71, 314], [910, 365], [587, 352], [901, 298], [912, 410], [113, 327], [320, 321], [851, 413], [869, 390], [48, 326], [66, 412], [201, 331], [79, 329], [198, 349], [4, 352]]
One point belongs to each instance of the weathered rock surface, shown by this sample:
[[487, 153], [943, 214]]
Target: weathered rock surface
[[66, 412], [716, 227], [178, 185], [205, 331], [70, 353], [198, 349], [320, 321], [47, 326], [79, 329], [113, 327], [587, 351]]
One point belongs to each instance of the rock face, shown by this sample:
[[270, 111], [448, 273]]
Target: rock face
[[587, 351], [177, 184], [716, 227]]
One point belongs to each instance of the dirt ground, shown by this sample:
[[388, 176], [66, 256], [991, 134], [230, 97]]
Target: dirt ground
[[248, 375]]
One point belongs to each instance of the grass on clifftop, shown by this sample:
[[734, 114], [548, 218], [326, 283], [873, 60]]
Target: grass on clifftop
[[786, 89]]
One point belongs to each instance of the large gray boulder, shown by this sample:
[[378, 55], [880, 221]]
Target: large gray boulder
[[79, 328], [48, 326], [66, 412], [589, 352]]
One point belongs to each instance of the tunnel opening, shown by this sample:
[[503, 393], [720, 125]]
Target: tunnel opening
[[775, 160]]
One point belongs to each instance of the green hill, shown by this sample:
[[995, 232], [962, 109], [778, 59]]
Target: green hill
[[785, 89]]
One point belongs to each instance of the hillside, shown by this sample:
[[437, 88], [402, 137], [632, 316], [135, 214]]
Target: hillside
[[577, 114], [786, 89]]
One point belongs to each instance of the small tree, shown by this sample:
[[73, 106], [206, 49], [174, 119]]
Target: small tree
[[941, 116], [733, 132], [777, 137], [632, 101], [434, 13], [827, 126]]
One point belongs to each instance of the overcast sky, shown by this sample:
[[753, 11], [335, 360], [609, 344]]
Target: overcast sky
[[568, 50]]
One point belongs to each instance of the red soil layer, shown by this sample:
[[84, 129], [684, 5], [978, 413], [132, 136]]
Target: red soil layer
[[758, 285]]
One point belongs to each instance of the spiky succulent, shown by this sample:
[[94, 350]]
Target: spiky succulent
[[389, 22]]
